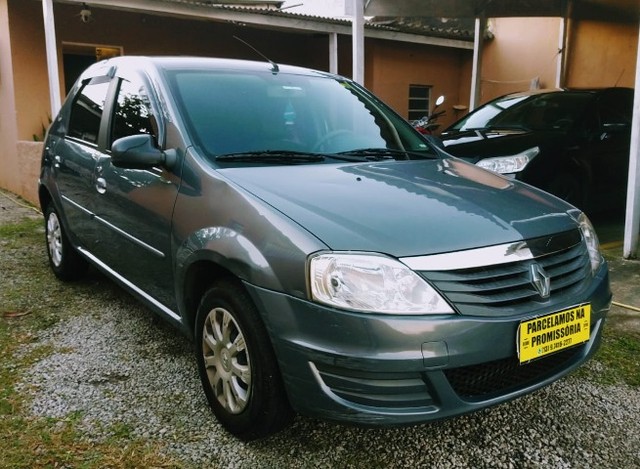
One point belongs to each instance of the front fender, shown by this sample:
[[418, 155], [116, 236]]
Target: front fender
[[229, 250]]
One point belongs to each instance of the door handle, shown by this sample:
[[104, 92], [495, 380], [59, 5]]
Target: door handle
[[101, 185]]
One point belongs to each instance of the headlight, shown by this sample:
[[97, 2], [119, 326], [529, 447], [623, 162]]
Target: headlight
[[373, 283], [591, 239], [509, 164]]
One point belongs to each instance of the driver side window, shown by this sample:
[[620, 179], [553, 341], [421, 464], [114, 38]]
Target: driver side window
[[133, 114]]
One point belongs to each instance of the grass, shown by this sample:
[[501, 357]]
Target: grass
[[620, 355], [32, 300]]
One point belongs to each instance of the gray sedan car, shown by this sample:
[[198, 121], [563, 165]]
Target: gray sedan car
[[323, 256]]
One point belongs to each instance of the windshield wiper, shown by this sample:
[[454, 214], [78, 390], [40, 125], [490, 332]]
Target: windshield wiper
[[378, 154], [271, 156]]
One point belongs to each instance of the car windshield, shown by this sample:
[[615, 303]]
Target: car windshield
[[239, 117], [549, 111]]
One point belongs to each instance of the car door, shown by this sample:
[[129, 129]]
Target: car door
[[75, 157], [136, 205], [610, 150]]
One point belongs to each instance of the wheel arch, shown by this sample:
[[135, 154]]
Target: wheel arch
[[216, 253], [570, 170], [197, 279], [44, 197]]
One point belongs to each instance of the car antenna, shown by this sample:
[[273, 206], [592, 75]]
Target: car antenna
[[274, 69]]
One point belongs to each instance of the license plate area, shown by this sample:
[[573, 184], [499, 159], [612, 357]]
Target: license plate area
[[554, 332]]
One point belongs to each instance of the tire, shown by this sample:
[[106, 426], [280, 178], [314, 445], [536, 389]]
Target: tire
[[65, 261], [237, 365]]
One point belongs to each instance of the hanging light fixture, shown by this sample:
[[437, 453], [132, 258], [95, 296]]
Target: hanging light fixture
[[85, 13]]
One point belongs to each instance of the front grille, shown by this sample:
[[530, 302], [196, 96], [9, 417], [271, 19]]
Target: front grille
[[503, 376], [507, 289], [397, 391]]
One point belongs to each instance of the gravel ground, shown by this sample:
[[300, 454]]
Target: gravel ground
[[118, 365]]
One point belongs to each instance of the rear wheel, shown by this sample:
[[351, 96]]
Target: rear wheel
[[237, 365], [65, 261]]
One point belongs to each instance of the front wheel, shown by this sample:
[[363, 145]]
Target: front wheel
[[65, 261], [237, 365], [569, 188]]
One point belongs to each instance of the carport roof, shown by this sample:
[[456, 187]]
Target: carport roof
[[246, 3], [614, 10], [459, 28], [267, 13]]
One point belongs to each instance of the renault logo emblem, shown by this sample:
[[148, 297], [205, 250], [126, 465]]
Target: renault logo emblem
[[540, 280]]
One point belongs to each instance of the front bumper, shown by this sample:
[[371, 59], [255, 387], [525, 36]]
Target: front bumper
[[392, 370]]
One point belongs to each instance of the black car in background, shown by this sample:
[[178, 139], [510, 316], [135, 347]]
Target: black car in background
[[572, 143]]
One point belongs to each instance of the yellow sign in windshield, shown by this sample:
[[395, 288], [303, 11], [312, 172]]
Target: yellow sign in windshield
[[547, 334]]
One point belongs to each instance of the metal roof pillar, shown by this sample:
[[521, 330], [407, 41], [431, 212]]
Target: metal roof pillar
[[481, 25], [333, 53], [632, 218], [562, 52], [52, 56], [358, 40], [563, 44]]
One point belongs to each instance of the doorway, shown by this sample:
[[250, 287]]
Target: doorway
[[77, 57]]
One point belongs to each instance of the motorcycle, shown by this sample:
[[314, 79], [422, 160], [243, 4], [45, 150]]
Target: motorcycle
[[427, 124]]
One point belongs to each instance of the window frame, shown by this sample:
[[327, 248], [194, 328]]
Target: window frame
[[133, 79], [129, 74], [416, 113], [106, 109]]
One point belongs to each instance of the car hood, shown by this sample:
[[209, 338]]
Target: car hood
[[474, 145], [405, 208]]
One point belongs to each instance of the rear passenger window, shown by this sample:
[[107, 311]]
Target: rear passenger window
[[87, 109]]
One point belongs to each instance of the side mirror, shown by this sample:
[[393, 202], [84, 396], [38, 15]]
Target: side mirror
[[139, 152]]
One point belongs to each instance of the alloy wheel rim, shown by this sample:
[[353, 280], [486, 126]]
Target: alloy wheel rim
[[54, 239], [226, 360]]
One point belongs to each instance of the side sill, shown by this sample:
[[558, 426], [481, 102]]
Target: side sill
[[131, 286]]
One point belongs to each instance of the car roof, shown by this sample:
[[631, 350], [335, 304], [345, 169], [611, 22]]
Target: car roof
[[108, 67], [566, 90]]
